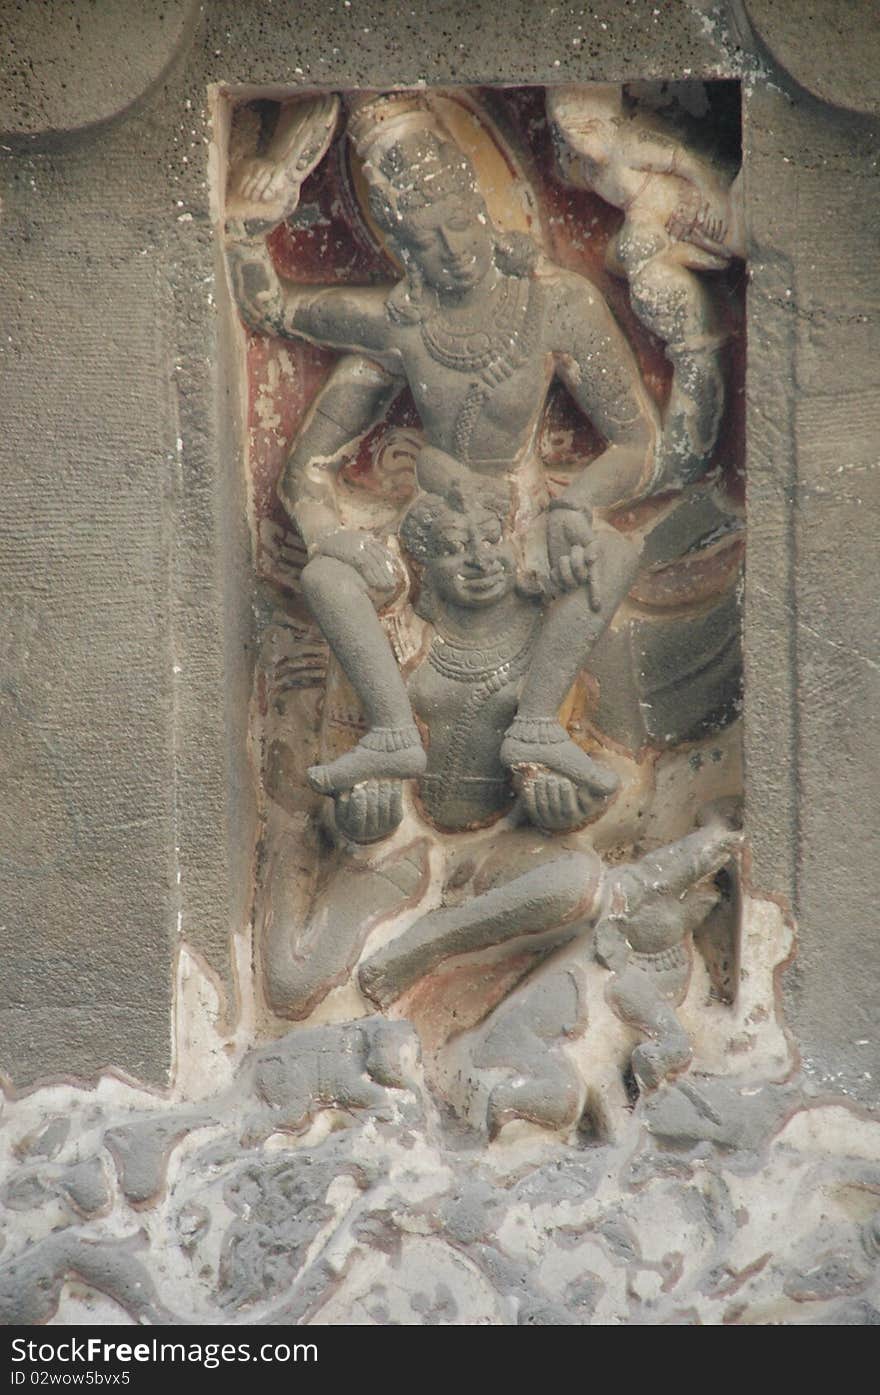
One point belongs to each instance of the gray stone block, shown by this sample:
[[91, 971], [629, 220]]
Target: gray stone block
[[127, 813]]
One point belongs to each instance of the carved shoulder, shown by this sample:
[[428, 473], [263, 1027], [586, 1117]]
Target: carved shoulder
[[575, 309]]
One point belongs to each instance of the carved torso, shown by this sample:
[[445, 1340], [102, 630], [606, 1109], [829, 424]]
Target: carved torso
[[480, 425], [480, 382], [466, 696]]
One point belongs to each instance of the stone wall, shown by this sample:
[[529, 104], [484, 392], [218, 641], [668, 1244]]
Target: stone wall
[[128, 825]]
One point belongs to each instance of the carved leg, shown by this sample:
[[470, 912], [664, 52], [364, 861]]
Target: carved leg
[[655, 905], [523, 1036], [570, 630], [561, 895], [673, 302], [306, 957], [637, 999], [392, 748]]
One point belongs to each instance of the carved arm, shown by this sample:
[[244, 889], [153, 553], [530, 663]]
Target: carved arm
[[340, 317], [599, 369], [264, 191]]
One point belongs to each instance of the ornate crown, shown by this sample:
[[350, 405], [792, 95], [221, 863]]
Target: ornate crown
[[381, 117], [409, 157]]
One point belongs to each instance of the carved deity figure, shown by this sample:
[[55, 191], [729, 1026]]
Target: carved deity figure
[[478, 329], [464, 692], [516, 578], [683, 215]]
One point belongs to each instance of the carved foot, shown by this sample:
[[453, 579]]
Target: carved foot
[[267, 189], [378, 981], [551, 1100], [385, 753], [394, 968], [655, 1061], [539, 742]]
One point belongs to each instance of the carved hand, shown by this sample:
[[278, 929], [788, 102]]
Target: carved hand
[[553, 802], [282, 554], [264, 190], [572, 552], [701, 218], [373, 562], [370, 811]]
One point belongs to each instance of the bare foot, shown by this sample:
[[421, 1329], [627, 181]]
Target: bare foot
[[375, 982], [391, 970], [532, 741], [385, 753]]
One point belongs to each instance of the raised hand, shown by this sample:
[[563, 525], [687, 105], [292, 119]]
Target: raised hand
[[573, 553], [264, 190], [282, 554], [373, 562]]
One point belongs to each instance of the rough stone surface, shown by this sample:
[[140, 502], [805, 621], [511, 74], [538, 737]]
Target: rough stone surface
[[318, 1184], [70, 67], [812, 676], [833, 50], [126, 675]]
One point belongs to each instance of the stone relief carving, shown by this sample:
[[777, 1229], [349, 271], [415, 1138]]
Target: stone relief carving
[[682, 215], [472, 816], [495, 363]]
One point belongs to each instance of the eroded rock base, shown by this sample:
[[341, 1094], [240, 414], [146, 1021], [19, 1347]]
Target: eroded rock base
[[322, 1182]]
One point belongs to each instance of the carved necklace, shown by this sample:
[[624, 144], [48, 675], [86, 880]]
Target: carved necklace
[[490, 355], [496, 665], [493, 350]]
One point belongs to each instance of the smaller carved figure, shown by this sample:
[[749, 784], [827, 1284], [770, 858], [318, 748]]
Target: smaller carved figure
[[522, 1043], [280, 1087], [639, 922], [493, 658], [645, 938], [346, 1066], [465, 691], [646, 909], [683, 215]]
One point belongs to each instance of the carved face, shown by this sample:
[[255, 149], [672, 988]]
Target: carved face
[[473, 565], [451, 242]]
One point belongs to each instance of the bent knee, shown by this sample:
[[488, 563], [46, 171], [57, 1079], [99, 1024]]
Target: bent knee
[[576, 880]]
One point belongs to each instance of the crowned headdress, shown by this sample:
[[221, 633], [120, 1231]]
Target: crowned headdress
[[409, 158]]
